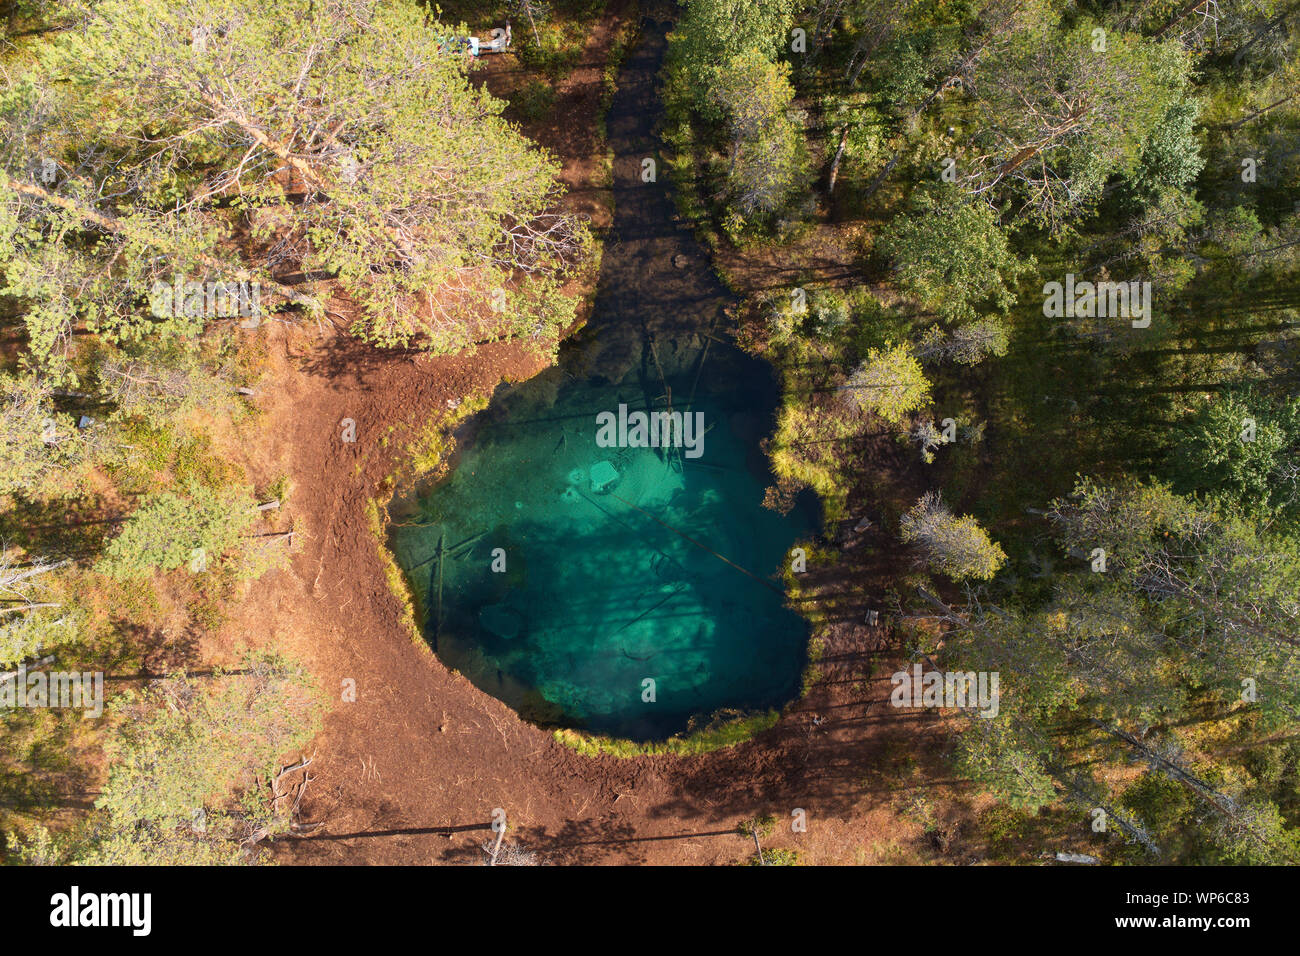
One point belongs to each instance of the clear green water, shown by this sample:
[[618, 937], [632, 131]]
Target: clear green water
[[603, 590]]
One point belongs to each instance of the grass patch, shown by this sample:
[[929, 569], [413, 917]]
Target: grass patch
[[776, 857], [154, 453], [552, 41], [534, 100], [764, 826]]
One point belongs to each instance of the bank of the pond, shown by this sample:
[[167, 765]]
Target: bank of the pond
[[722, 732]]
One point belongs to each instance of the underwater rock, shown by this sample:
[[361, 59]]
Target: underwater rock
[[603, 474]]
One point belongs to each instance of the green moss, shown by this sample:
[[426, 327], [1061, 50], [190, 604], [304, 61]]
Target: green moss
[[428, 451], [811, 675], [156, 450], [719, 734], [396, 578], [279, 490]]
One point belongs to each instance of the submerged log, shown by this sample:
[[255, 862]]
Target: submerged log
[[435, 585]]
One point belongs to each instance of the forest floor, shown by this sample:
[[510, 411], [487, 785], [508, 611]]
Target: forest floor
[[411, 772]]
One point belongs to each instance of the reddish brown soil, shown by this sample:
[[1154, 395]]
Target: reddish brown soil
[[411, 772]]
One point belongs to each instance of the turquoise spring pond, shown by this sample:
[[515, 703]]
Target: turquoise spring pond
[[564, 589]]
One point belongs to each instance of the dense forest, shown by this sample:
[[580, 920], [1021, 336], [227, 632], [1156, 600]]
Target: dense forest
[[1028, 270], [1129, 462]]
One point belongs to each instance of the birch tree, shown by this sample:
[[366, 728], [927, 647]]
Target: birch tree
[[954, 546]]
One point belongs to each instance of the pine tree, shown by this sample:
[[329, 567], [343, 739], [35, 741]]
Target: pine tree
[[169, 530], [952, 255], [340, 138]]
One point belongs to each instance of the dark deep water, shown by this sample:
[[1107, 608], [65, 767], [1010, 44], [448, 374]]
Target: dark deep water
[[572, 573]]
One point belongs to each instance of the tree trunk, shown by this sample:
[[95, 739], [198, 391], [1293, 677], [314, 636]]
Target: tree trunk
[[1260, 112], [835, 163], [1178, 17]]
